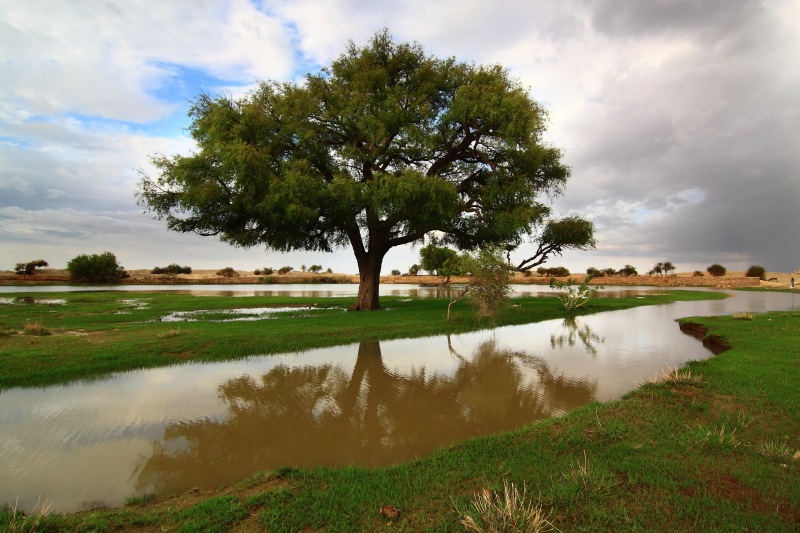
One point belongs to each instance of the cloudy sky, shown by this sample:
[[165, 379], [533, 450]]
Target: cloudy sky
[[680, 119]]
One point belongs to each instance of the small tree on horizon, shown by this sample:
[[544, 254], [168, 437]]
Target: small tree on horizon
[[717, 270], [102, 268]]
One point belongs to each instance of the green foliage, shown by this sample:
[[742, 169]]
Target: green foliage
[[174, 268], [558, 272], [395, 272], [756, 271], [29, 269], [96, 268], [570, 233], [628, 270], [315, 269], [227, 272], [382, 147], [434, 257], [717, 270], [264, 272], [592, 271], [285, 270], [489, 287], [266, 280], [698, 274], [573, 297], [414, 269]]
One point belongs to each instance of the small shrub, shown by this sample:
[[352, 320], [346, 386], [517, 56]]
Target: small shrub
[[509, 512], [35, 328], [743, 316], [284, 270], [716, 270], [264, 272], [29, 269], [303, 268], [574, 297], [227, 272], [628, 270], [592, 271], [266, 279], [329, 271], [698, 274], [315, 269], [172, 269], [526, 274], [756, 271], [395, 272], [95, 268], [413, 270], [583, 478]]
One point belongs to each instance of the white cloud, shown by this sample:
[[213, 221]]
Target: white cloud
[[103, 58]]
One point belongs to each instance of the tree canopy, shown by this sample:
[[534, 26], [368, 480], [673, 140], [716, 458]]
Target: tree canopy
[[382, 147], [569, 233]]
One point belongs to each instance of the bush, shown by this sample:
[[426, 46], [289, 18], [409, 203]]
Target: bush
[[756, 271], [284, 270], [174, 268], [264, 272], [266, 279], [95, 268], [315, 269], [395, 272], [29, 269], [698, 274], [716, 270], [557, 272], [592, 271], [228, 272], [413, 270], [329, 271], [628, 270]]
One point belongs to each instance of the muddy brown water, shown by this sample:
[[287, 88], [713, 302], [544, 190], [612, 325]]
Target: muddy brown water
[[166, 430]]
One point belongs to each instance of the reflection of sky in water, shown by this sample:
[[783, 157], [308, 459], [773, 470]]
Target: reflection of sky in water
[[253, 313], [79, 443]]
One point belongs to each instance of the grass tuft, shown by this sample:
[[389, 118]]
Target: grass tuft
[[712, 439], [170, 333], [19, 522], [674, 376], [35, 328], [509, 512], [743, 316], [772, 450]]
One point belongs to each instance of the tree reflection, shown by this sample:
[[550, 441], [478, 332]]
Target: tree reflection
[[572, 333], [321, 416]]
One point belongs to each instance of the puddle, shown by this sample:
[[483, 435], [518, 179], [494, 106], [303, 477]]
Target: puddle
[[135, 303], [245, 314], [169, 429], [32, 301]]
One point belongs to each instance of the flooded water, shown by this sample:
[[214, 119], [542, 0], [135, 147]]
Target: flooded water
[[304, 290], [167, 430]]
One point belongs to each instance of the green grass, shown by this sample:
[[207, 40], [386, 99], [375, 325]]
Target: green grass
[[714, 454], [90, 338]]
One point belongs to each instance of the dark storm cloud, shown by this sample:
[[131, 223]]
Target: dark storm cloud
[[706, 18]]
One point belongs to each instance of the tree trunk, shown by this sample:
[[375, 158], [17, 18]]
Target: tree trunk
[[369, 273]]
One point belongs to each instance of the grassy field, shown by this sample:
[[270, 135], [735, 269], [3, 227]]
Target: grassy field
[[712, 447], [86, 335]]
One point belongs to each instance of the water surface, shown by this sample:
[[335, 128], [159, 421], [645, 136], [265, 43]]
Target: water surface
[[166, 430]]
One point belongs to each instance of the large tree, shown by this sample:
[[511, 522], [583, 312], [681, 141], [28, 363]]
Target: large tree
[[377, 150]]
